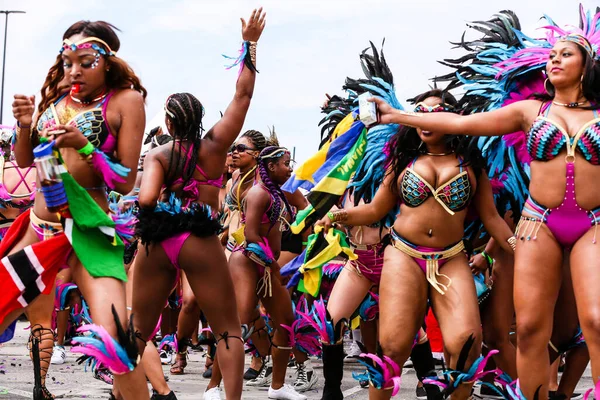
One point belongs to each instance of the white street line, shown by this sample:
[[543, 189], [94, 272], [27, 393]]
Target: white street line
[[351, 391], [27, 395]]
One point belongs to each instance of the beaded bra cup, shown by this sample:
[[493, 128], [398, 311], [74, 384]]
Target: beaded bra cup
[[546, 139], [453, 196], [92, 123]]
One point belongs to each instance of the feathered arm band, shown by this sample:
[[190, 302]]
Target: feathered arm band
[[106, 165], [247, 57]]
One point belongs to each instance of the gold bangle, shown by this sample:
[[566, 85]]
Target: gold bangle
[[339, 216], [20, 128], [512, 241], [252, 49]]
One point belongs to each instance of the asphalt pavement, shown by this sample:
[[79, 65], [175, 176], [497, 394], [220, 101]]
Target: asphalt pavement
[[70, 381]]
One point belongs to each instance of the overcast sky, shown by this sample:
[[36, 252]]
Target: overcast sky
[[307, 49]]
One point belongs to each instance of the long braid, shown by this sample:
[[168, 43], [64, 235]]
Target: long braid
[[185, 113], [272, 187]]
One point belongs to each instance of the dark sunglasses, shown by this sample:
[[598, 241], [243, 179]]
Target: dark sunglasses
[[240, 148]]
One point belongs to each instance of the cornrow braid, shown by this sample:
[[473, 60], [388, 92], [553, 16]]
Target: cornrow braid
[[271, 154], [259, 140], [185, 113]]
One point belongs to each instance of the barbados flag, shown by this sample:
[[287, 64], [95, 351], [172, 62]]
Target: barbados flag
[[328, 157], [332, 186]]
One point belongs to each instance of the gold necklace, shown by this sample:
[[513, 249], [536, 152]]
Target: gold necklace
[[84, 102], [439, 154]]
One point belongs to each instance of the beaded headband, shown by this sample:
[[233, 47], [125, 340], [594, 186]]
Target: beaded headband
[[580, 40], [86, 44], [276, 153], [424, 108]]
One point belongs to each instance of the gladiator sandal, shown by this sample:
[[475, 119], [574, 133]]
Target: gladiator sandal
[[41, 359]]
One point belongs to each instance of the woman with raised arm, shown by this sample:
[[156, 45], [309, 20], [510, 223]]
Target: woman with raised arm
[[178, 200], [561, 216], [92, 126], [425, 259]]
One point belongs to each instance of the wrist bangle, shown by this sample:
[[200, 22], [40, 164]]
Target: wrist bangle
[[18, 130], [488, 258], [87, 149], [252, 50], [512, 241], [338, 216], [23, 126]]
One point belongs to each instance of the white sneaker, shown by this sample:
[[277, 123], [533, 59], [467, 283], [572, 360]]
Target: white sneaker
[[166, 356], [212, 394], [58, 355], [285, 392], [265, 376], [352, 352], [305, 377], [408, 363]]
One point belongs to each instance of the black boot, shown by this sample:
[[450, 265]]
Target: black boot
[[333, 371], [424, 365]]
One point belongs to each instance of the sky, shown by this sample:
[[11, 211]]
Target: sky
[[307, 49]]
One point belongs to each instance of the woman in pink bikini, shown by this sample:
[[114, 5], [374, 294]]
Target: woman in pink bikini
[[436, 178], [560, 218], [178, 224]]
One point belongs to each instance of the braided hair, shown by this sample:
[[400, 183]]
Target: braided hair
[[267, 155], [185, 113], [259, 140]]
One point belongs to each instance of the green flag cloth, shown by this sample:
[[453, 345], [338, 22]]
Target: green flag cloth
[[92, 233], [330, 189]]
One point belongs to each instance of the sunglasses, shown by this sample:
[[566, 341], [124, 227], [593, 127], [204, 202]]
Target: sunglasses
[[424, 108], [240, 148]]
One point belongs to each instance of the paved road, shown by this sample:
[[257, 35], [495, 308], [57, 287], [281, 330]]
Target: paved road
[[69, 381]]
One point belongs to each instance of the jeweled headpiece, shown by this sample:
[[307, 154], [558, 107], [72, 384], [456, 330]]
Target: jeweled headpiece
[[424, 108], [581, 41], [537, 51], [87, 43]]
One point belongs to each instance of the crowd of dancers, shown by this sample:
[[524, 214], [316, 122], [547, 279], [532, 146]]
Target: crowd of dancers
[[463, 206]]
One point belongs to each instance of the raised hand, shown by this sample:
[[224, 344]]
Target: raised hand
[[252, 29], [384, 110], [23, 107]]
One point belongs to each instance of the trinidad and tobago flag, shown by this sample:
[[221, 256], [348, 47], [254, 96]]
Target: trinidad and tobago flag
[[26, 274]]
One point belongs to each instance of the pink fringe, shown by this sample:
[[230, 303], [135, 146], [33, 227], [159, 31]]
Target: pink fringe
[[101, 164], [110, 359]]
